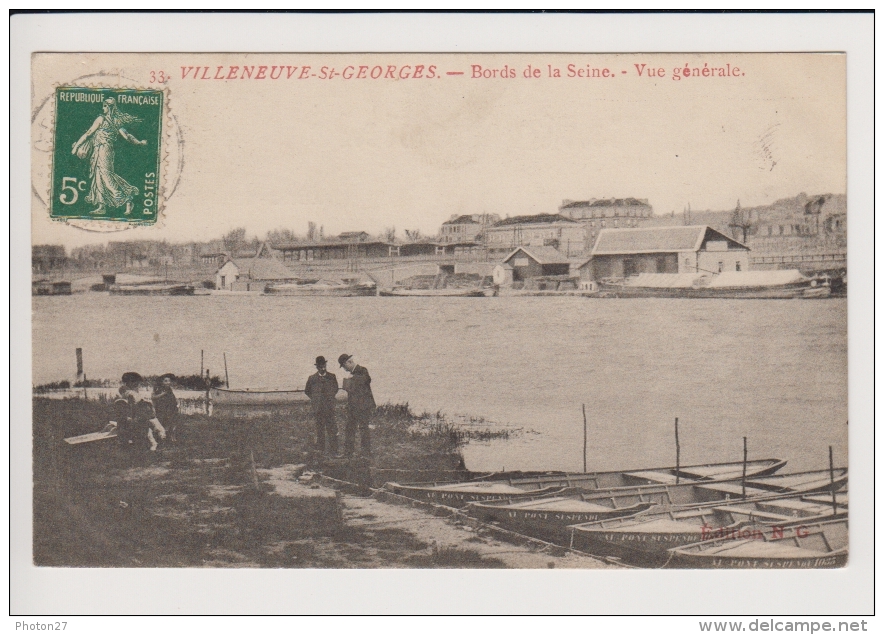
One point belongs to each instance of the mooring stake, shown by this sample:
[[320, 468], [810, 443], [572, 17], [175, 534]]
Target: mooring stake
[[677, 454], [584, 438], [832, 481]]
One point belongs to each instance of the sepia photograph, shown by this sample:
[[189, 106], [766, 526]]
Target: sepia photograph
[[437, 310]]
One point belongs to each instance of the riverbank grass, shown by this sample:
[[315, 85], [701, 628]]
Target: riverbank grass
[[225, 495]]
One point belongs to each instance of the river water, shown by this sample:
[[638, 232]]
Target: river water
[[774, 371]]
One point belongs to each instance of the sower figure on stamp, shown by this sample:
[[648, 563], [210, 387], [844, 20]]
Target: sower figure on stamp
[[108, 189], [135, 418], [322, 386], [360, 405], [165, 404]]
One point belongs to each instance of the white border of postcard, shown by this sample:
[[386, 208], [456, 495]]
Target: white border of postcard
[[49, 591]]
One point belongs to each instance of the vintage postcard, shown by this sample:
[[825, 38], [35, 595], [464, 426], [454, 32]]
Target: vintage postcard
[[438, 310]]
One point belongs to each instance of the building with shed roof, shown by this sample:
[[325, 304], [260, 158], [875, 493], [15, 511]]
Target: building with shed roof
[[336, 250], [251, 274], [535, 261], [538, 230], [376, 250], [619, 253]]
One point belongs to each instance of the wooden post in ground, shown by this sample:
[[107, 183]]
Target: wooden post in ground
[[208, 389], [832, 481], [79, 364], [745, 458], [677, 455], [226, 376], [202, 356], [584, 438]]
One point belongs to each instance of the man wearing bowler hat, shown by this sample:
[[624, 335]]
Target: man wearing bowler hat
[[322, 386], [360, 405]]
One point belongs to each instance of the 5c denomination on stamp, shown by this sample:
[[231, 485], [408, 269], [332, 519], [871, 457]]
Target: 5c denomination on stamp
[[107, 151]]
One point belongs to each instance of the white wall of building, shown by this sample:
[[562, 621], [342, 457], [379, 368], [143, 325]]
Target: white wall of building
[[226, 276], [717, 261]]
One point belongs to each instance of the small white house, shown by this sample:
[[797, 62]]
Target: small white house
[[502, 274], [226, 275], [251, 274]]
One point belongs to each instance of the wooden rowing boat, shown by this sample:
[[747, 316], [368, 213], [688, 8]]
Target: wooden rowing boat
[[700, 492], [821, 545], [323, 288], [434, 293], [645, 539], [151, 289], [228, 396], [626, 478], [549, 517], [461, 493]]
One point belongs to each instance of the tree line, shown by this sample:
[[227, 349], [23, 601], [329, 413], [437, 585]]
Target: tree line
[[236, 240]]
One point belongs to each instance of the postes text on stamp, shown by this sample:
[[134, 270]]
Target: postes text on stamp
[[106, 158]]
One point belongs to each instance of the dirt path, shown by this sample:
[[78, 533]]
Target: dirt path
[[451, 543]]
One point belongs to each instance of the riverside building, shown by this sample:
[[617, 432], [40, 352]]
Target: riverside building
[[539, 230]]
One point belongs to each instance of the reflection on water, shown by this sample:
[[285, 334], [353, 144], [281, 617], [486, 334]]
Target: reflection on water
[[772, 370]]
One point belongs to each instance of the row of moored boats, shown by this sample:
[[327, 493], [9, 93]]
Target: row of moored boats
[[719, 515]]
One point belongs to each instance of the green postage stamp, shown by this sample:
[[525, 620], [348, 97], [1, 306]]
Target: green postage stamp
[[107, 151]]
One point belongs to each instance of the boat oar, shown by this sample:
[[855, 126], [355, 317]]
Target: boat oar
[[832, 481], [226, 376], [745, 457]]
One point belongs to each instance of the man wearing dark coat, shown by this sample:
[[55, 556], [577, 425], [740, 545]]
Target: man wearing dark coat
[[321, 388], [166, 405], [360, 405]]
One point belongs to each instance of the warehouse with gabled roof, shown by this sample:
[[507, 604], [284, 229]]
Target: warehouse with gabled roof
[[619, 253]]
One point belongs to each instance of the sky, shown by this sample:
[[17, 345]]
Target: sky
[[367, 154]]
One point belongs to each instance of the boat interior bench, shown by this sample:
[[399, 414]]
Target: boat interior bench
[[659, 477], [759, 515]]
